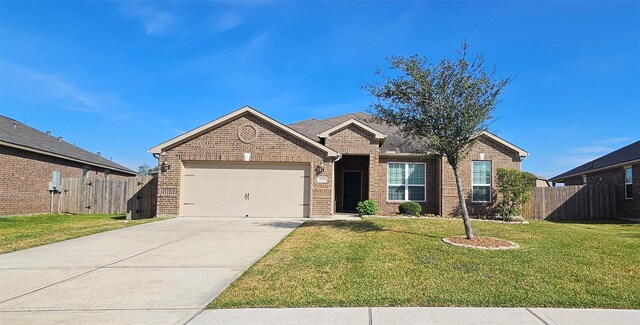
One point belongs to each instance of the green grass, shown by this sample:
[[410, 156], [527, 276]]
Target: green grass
[[20, 232], [402, 262]]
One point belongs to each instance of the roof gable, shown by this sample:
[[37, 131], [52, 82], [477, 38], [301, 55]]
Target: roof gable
[[237, 113], [378, 135], [522, 153], [393, 142]]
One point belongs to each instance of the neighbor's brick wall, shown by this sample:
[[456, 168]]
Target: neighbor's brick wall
[[615, 176], [500, 157], [25, 176], [223, 144], [573, 181]]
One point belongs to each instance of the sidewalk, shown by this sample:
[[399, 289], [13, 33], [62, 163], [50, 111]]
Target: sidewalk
[[418, 315]]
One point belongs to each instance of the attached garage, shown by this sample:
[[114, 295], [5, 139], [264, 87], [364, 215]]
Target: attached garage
[[245, 189], [244, 164]]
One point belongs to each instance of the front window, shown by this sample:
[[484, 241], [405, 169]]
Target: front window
[[481, 181], [406, 182], [628, 183]]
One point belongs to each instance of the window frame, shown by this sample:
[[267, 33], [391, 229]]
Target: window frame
[[626, 196], [405, 183], [490, 185]]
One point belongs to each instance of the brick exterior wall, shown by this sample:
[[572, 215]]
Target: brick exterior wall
[[432, 203], [353, 140], [25, 177], [500, 157], [615, 176], [223, 144], [274, 145]]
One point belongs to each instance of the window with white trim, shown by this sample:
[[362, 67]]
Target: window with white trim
[[406, 182], [481, 181], [628, 183]]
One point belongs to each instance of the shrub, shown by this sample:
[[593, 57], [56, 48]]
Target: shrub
[[515, 189], [410, 208], [367, 207]]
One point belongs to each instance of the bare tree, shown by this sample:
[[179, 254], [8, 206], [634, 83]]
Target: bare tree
[[439, 107], [146, 170]]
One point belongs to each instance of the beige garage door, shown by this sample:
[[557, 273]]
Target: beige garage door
[[245, 189]]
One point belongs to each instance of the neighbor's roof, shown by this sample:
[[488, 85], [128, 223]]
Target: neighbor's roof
[[393, 140], [19, 135], [620, 157]]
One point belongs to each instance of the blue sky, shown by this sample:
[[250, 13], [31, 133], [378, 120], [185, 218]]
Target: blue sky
[[121, 77]]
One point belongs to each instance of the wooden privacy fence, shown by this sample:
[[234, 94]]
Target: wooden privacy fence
[[582, 202], [135, 196]]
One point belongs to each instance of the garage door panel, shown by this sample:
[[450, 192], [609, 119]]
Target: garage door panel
[[241, 189]]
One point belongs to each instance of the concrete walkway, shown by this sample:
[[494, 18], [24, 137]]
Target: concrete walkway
[[418, 315], [162, 272]]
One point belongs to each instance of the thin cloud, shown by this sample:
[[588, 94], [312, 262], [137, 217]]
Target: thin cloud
[[613, 140], [154, 21], [124, 116], [595, 149], [231, 59], [227, 21], [66, 89], [56, 90], [574, 160]]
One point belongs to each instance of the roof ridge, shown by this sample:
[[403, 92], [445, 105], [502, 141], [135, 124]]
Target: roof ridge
[[44, 137], [590, 166]]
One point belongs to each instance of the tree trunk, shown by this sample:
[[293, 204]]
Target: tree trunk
[[463, 204]]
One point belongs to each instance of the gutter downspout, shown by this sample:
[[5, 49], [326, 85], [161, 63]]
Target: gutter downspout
[[333, 184]]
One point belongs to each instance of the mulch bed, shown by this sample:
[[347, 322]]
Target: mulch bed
[[481, 242]]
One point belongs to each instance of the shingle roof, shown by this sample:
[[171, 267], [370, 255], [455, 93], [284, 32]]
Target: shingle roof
[[394, 141], [14, 132], [620, 156]]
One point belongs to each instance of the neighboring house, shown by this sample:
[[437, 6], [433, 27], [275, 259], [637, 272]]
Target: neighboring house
[[541, 181], [248, 164], [30, 157], [620, 168]]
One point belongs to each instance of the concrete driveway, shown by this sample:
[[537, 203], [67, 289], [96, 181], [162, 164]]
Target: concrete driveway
[[162, 272]]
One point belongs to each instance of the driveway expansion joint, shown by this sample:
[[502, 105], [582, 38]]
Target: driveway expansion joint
[[537, 316]]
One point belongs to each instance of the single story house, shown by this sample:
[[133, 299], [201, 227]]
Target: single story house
[[30, 159], [248, 164], [620, 168]]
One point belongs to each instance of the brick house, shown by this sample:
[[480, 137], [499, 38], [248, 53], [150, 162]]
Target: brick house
[[28, 159], [620, 168], [248, 164]]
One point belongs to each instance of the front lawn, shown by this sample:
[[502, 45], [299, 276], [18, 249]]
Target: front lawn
[[20, 232], [402, 262]]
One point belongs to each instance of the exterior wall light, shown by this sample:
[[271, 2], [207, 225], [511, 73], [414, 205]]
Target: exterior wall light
[[164, 167]]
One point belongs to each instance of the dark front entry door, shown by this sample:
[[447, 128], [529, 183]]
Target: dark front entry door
[[352, 190]]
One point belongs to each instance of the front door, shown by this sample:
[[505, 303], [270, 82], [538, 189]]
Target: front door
[[352, 190]]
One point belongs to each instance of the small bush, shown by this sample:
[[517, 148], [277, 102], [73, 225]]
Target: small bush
[[367, 207], [515, 189], [513, 219], [410, 208]]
